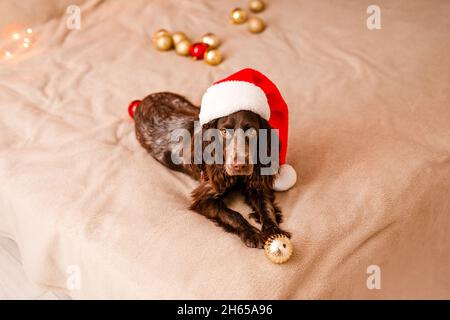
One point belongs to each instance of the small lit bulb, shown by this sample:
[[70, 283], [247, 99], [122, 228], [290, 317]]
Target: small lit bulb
[[26, 40], [16, 36], [29, 30], [8, 54], [26, 45]]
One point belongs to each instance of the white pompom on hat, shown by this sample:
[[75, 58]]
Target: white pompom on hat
[[250, 90]]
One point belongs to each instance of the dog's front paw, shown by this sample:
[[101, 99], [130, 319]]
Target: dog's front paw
[[252, 238], [272, 230]]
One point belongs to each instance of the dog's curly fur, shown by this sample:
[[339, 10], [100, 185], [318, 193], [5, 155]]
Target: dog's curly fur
[[161, 113]]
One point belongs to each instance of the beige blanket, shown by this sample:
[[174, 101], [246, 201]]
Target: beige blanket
[[94, 215]]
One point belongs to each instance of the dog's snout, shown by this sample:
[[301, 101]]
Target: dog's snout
[[237, 166]]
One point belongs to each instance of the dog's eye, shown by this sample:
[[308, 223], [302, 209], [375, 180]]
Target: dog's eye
[[224, 132]]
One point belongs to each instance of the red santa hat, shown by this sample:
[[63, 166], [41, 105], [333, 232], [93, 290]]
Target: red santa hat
[[250, 90]]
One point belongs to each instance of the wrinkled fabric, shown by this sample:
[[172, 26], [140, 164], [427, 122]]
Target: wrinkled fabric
[[369, 138]]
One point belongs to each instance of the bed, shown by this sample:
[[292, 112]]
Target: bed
[[95, 216]]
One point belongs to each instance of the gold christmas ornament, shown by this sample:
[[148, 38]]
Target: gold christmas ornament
[[256, 25], [238, 16], [213, 57], [164, 42], [278, 248], [256, 6], [212, 40], [159, 33], [178, 36], [182, 47]]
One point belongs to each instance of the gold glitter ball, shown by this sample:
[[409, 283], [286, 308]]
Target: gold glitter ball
[[256, 5], [211, 40], [213, 57], [256, 25], [182, 47], [159, 33], [178, 36], [278, 248], [163, 43], [238, 16]]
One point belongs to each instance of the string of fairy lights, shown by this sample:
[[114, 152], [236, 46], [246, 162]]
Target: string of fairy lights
[[19, 41]]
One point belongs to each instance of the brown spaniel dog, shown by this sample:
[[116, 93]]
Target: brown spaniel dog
[[161, 114]]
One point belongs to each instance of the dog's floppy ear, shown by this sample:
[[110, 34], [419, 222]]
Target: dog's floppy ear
[[209, 125], [264, 156], [206, 139], [263, 124]]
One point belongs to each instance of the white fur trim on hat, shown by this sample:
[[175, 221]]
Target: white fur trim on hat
[[225, 98], [285, 178]]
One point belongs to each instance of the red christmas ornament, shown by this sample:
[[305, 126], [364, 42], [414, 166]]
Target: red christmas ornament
[[198, 50], [132, 107]]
